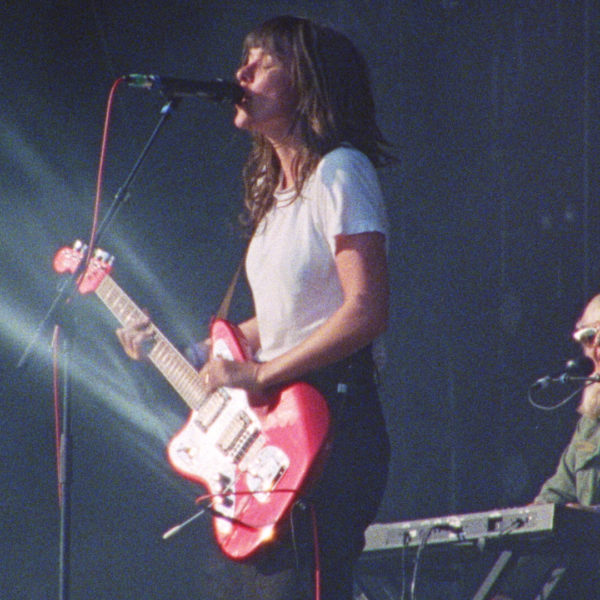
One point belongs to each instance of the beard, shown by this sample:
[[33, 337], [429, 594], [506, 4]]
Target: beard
[[590, 401]]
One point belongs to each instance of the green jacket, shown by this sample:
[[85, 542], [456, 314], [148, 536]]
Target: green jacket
[[577, 476]]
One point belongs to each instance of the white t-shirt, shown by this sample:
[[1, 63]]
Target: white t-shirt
[[291, 259]]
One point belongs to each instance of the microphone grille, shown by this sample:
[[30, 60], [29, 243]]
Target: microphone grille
[[582, 366]]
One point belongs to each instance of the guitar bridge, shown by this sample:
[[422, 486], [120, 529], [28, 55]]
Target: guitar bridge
[[243, 445]]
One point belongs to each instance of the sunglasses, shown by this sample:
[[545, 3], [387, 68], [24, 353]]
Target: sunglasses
[[586, 336]]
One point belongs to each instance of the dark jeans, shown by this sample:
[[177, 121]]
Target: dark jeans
[[342, 503]]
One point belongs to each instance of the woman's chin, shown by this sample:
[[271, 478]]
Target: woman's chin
[[241, 119]]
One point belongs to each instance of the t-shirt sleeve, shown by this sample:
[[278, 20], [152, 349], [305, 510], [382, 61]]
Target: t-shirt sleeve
[[350, 198]]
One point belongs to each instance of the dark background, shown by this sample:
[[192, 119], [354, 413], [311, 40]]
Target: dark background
[[493, 111]]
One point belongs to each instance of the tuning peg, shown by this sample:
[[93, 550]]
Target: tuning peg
[[103, 256], [79, 246]]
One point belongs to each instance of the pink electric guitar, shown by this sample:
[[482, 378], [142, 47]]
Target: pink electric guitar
[[253, 460]]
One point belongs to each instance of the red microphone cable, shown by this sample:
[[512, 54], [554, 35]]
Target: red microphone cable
[[56, 335]]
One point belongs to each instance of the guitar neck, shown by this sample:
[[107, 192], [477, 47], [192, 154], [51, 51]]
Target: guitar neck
[[165, 357]]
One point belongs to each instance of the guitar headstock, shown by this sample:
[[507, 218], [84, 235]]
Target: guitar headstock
[[67, 260]]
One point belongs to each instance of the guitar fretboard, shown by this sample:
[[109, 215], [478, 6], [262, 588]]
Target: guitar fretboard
[[241, 439], [166, 358]]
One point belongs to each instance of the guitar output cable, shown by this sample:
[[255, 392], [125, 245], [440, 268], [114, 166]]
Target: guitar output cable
[[313, 527], [213, 511], [303, 506]]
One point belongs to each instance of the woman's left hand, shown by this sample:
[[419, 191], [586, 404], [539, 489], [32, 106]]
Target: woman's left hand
[[218, 372]]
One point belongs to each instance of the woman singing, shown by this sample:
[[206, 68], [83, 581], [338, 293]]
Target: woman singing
[[316, 265]]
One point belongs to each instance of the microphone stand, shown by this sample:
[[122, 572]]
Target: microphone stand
[[64, 475], [58, 315]]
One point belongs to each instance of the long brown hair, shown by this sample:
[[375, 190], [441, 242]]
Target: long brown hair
[[335, 105]]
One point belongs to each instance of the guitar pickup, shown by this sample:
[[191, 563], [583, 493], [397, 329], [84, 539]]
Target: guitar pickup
[[233, 435], [210, 410]]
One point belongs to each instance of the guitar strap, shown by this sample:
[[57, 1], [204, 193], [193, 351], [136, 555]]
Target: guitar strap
[[223, 310]]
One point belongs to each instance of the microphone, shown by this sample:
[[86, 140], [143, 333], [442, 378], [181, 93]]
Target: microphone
[[216, 90], [574, 368]]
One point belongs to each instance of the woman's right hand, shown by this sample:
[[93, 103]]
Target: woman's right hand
[[136, 337]]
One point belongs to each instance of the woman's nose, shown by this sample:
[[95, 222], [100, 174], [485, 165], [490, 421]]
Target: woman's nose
[[243, 74]]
